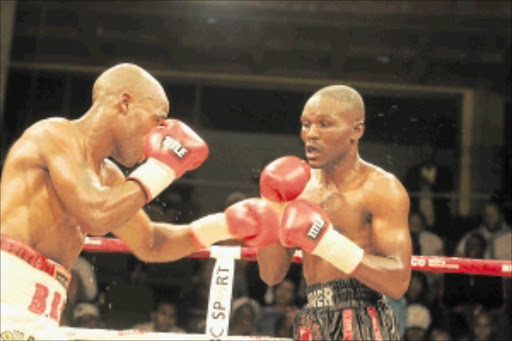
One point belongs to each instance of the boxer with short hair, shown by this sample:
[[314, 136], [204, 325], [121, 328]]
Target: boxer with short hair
[[58, 186], [351, 221]]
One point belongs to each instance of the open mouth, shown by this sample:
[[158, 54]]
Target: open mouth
[[312, 151]]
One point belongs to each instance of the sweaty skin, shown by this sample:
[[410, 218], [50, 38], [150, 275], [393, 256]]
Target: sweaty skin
[[58, 186], [365, 203]]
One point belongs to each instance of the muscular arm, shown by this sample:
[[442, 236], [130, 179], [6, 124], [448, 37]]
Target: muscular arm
[[156, 242], [274, 262], [152, 241], [388, 268], [98, 209]]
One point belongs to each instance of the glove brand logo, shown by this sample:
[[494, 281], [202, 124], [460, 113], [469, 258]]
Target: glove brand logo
[[316, 228], [175, 146]]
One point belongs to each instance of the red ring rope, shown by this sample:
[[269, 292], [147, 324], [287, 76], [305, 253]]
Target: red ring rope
[[485, 267]]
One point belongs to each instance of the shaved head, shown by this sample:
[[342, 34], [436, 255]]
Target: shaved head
[[127, 79], [347, 96]]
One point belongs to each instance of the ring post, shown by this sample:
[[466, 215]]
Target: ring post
[[221, 291]]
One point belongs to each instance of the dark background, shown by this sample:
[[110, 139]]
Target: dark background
[[240, 69]]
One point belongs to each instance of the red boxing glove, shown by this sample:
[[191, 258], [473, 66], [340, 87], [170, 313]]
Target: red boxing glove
[[250, 219], [171, 149], [304, 224], [308, 226], [284, 179], [256, 216]]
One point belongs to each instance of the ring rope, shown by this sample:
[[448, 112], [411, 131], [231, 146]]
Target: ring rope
[[217, 321], [470, 266]]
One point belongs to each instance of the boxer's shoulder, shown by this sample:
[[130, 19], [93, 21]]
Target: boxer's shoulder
[[35, 141], [49, 126], [49, 132], [384, 187], [54, 136]]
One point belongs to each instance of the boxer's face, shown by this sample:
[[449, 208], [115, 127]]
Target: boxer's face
[[328, 131], [143, 115]]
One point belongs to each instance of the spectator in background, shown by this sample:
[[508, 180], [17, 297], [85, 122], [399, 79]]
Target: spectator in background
[[418, 322], [496, 232], [420, 292], [482, 326], [163, 319], [283, 326], [424, 242], [439, 335], [283, 303], [427, 179], [418, 289], [244, 313], [427, 243], [83, 287], [87, 315], [197, 297], [461, 291]]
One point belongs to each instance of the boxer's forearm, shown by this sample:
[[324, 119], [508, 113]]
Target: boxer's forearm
[[165, 243], [274, 262], [386, 275]]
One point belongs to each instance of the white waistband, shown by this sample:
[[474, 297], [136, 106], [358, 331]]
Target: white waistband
[[30, 289]]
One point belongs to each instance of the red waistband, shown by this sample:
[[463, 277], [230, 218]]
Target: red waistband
[[35, 259]]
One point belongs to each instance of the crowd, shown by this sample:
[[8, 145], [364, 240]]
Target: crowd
[[435, 307]]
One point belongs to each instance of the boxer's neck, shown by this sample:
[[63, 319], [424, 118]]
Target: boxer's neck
[[345, 171], [97, 134]]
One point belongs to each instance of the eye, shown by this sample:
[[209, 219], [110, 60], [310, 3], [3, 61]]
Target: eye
[[325, 124], [305, 124]]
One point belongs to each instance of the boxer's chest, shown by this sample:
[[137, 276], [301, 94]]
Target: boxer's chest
[[347, 210]]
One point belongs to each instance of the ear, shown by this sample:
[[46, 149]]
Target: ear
[[124, 102], [358, 130]]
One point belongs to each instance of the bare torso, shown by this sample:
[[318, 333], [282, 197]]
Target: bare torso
[[31, 210], [350, 210]]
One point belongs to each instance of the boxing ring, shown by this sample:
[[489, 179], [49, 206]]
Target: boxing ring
[[219, 304]]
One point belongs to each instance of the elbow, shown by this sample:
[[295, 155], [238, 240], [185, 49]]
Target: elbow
[[397, 293], [147, 257], [152, 256], [400, 287], [95, 223], [271, 278]]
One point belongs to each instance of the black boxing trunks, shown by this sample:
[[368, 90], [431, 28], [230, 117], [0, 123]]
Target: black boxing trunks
[[345, 310]]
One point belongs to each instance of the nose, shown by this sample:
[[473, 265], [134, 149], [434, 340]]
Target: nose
[[311, 133]]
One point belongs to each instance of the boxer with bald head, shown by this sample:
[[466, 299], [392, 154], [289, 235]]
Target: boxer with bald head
[[351, 222], [58, 186]]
